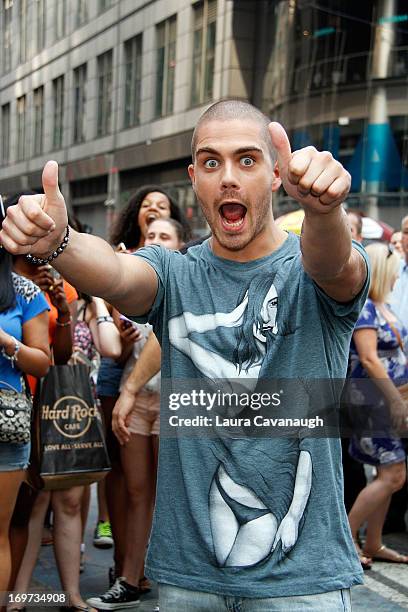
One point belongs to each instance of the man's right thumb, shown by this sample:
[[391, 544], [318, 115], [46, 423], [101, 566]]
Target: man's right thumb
[[50, 181]]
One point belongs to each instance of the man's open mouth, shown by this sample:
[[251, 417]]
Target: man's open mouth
[[232, 215]]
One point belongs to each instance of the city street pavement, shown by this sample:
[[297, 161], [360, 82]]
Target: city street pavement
[[385, 588]]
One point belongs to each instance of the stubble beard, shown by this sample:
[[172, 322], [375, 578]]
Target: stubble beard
[[239, 242]]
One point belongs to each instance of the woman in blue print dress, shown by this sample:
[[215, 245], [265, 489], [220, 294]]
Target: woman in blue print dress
[[377, 355]]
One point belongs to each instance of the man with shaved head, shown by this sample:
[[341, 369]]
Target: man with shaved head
[[242, 521]]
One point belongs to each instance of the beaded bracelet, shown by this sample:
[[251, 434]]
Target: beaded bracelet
[[104, 319], [41, 261]]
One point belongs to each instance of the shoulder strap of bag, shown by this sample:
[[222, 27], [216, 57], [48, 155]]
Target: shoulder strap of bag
[[397, 335]]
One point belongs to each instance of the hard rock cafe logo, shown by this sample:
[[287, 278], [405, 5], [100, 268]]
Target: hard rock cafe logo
[[71, 416]]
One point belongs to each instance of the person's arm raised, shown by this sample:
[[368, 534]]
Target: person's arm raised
[[320, 184], [37, 225]]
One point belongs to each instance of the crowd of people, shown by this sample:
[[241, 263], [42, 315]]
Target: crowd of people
[[208, 293], [65, 326]]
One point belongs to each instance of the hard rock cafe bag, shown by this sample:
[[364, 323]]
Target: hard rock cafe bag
[[68, 443]]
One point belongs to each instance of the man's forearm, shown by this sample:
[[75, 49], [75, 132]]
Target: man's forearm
[[328, 255], [326, 243], [90, 265]]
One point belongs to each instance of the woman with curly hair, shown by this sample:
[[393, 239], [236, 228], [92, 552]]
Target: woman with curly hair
[[147, 204]]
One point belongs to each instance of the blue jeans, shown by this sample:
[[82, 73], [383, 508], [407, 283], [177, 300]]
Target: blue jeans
[[175, 599]]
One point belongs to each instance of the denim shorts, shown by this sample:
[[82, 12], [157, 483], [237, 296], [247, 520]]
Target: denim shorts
[[176, 599], [109, 377], [14, 456]]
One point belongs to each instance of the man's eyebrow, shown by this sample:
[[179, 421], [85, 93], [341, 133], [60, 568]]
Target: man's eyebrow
[[240, 151], [207, 150], [248, 149]]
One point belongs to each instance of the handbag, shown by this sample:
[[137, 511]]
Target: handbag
[[68, 445], [15, 415]]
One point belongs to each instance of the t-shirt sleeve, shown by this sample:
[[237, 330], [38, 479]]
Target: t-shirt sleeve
[[70, 292], [33, 307], [348, 311], [368, 317], [158, 258]]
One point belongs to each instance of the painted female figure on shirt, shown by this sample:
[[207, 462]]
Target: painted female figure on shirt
[[247, 521]]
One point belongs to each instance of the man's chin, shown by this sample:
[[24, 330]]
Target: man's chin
[[233, 243]]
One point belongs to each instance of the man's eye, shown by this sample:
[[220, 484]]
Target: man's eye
[[247, 161], [211, 163]]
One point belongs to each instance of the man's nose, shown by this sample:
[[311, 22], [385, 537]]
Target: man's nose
[[229, 176]]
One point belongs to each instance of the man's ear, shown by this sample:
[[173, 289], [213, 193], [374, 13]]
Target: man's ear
[[276, 179], [191, 174]]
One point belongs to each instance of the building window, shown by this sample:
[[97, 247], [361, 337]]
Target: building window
[[166, 65], [133, 79], [5, 133], [104, 93], [38, 120], [21, 127], [23, 31], [60, 18], [82, 12], [41, 24], [202, 78], [79, 103], [104, 5], [58, 95], [7, 38]]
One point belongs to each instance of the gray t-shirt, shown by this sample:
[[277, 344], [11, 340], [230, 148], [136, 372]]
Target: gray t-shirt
[[243, 516]]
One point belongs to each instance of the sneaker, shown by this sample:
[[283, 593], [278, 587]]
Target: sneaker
[[103, 535], [117, 597]]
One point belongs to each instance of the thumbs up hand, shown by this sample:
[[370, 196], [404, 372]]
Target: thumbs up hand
[[36, 224], [314, 178]]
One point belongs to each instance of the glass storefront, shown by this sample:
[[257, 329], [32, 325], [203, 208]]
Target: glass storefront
[[337, 79]]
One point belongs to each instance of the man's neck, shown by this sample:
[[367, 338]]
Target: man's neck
[[265, 243]]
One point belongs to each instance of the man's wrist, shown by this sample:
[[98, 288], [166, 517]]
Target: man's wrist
[[327, 220], [59, 247], [332, 212]]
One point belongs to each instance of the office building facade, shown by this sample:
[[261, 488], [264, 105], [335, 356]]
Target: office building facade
[[112, 90]]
